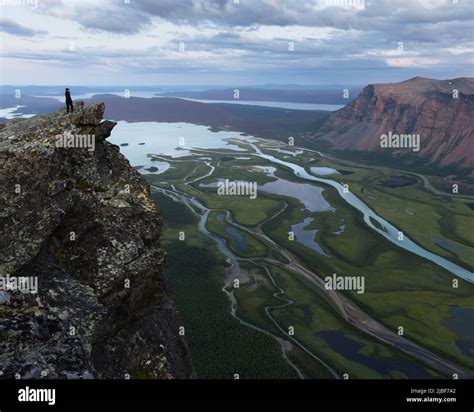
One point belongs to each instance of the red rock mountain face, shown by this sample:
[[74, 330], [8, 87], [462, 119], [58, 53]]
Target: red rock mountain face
[[417, 106]]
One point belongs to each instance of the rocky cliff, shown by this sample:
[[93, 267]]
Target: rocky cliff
[[440, 111], [81, 223]]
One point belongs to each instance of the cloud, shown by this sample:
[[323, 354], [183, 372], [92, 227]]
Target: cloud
[[314, 13], [251, 37], [15, 29], [124, 19], [411, 61]]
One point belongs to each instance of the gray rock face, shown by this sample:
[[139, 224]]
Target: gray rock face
[[82, 224]]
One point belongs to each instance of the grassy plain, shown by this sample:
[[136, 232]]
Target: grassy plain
[[402, 289]]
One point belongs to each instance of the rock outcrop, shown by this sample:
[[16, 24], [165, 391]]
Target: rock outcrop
[[440, 111], [82, 224]]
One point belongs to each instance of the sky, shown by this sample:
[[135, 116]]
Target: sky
[[233, 42]]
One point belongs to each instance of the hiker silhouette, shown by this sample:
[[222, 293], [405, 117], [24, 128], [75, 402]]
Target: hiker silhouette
[[68, 101]]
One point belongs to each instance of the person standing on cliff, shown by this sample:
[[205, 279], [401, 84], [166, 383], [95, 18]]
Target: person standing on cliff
[[68, 101]]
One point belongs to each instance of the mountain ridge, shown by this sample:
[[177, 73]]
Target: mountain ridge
[[440, 111]]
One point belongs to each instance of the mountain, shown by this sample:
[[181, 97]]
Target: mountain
[[82, 224], [303, 94], [421, 106], [28, 104], [270, 122]]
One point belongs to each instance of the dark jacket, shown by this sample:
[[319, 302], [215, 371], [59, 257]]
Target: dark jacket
[[68, 97]]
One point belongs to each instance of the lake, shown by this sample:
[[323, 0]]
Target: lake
[[170, 139], [150, 95]]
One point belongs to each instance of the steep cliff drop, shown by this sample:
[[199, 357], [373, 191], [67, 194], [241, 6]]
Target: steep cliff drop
[[441, 112], [81, 223]]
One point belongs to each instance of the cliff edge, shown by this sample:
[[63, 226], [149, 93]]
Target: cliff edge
[[79, 221]]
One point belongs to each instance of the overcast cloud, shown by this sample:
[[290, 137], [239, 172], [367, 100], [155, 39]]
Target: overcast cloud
[[234, 43]]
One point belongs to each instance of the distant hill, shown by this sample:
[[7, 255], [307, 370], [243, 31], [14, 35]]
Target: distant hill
[[267, 122], [333, 95], [33, 105], [417, 106]]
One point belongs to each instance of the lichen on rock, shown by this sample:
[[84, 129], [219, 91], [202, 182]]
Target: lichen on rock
[[83, 224]]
